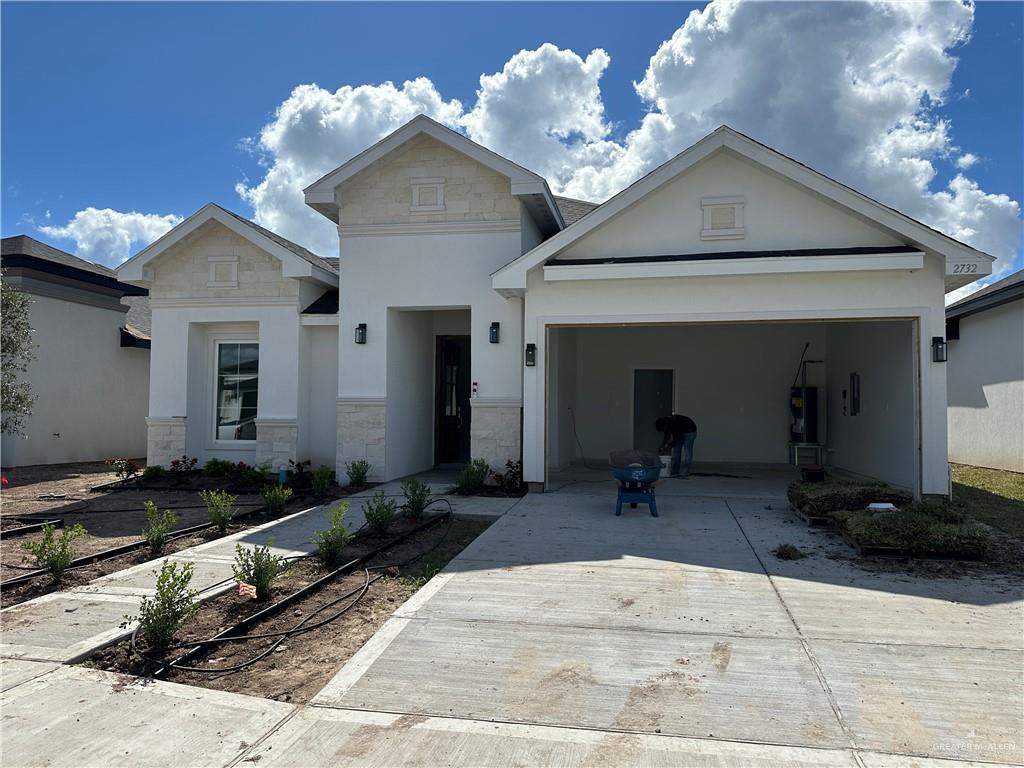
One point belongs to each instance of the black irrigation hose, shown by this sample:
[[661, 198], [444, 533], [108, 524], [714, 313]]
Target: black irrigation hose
[[7, 532], [231, 633]]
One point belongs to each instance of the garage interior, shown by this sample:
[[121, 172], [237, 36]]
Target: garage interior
[[747, 385]]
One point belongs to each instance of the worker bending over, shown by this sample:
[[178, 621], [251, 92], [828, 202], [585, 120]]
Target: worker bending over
[[680, 432]]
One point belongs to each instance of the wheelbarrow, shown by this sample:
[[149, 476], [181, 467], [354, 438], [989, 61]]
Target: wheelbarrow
[[637, 472]]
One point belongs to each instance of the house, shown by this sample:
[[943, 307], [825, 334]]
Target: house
[[91, 367], [475, 314], [985, 376]]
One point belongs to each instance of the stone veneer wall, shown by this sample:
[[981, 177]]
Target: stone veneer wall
[[165, 440], [496, 431], [361, 434], [276, 441]]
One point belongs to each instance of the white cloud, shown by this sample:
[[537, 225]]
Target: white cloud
[[106, 236], [853, 89]]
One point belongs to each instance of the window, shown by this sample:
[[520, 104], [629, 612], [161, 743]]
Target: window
[[723, 218], [427, 195], [237, 387], [223, 272]]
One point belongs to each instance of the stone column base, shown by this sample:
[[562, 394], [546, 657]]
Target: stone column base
[[495, 433], [165, 439], [361, 422], [276, 442]]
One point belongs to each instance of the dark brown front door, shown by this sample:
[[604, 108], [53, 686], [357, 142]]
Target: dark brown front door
[[452, 400]]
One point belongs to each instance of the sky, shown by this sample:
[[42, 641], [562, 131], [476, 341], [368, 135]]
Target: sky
[[120, 119]]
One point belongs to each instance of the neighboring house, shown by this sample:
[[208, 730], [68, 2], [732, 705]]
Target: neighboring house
[[91, 372], [985, 376], [474, 314]]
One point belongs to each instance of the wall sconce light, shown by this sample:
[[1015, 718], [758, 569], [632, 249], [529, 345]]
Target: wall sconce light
[[494, 333], [361, 333], [531, 355], [938, 349]]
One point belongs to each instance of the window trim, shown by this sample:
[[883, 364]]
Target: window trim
[[215, 441]]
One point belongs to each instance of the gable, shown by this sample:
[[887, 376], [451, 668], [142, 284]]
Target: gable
[[382, 193], [777, 214]]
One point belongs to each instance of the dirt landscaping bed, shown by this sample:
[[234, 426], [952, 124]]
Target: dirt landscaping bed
[[303, 663]]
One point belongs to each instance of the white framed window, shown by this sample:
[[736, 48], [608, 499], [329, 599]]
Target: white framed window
[[223, 272], [723, 218], [427, 195], [235, 390]]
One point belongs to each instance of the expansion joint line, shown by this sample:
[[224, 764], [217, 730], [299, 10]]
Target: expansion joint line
[[818, 672]]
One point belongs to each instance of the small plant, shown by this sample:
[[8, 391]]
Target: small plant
[[54, 554], [358, 471], [174, 603], [153, 472], [158, 527], [218, 468], [473, 477], [275, 497], [511, 480], [331, 543], [298, 473], [258, 567], [125, 469], [323, 478], [220, 506], [417, 494], [379, 512], [789, 552], [247, 475], [183, 465]]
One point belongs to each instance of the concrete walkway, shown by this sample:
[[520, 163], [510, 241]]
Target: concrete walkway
[[566, 636]]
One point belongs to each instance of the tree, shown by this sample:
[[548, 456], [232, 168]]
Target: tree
[[16, 352]]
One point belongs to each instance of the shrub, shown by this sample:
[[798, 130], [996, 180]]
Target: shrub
[[220, 506], [54, 554], [331, 543], [275, 497], [788, 552], [323, 478], [125, 469], [218, 468], [835, 495], [248, 475], [183, 465], [162, 615], [258, 567], [357, 472], [379, 512], [417, 494], [298, 473], [511, 480], [158, 527], [936, 529], [153, 472], [473, 477]]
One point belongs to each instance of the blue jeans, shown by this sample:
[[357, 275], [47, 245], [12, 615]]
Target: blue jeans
[[677, 453]]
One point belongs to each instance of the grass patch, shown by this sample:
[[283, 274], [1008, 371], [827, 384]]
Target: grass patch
[[821, 499], [428, 566], [921, 529], [789, 552], [991, 496]]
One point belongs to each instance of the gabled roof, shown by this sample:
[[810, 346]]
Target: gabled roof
[[511, 278], [998, 293], [296, 261], [573, 210], [531, 188], [28, 253]]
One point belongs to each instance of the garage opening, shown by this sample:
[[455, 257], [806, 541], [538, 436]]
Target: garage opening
[[766, 394]]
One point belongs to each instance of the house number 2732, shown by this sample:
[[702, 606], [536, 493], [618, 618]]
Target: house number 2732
[[965, 269]]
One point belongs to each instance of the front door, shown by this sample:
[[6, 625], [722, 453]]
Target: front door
[[452, 445], [652, 398]]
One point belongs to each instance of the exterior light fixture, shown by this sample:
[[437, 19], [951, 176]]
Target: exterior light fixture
[[531, 355], [361, 333], [938, 349], [494, 332]]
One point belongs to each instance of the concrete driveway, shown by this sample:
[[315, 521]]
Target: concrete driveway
[[567, 636]]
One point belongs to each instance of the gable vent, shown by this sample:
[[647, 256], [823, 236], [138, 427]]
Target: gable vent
[[723, 218]]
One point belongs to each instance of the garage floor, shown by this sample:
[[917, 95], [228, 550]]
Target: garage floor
[[567, 635], [707, 480]]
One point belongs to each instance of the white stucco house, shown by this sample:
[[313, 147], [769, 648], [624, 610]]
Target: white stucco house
[[986, 376], [474, 314], [91, 369]]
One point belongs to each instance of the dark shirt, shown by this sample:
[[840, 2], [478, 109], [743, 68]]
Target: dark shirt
[[678, 425]]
